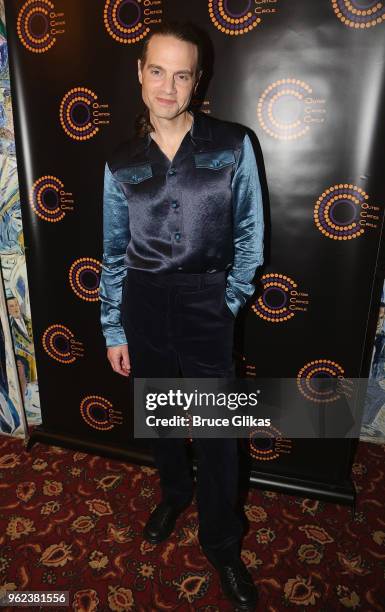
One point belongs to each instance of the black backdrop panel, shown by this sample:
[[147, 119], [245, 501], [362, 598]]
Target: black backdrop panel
[[308, 79]]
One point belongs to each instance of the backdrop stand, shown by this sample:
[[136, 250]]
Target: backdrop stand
[[341, 493]]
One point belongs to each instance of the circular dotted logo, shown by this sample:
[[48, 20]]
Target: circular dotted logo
[[268, 444], [359, 13], [97, 412], [57, 343], [337, 213], [84, 277], [45, 198], [274, 303], [77, 113], [317, 380], [281, 111], [124, 21], [231, 22], [37, 25]]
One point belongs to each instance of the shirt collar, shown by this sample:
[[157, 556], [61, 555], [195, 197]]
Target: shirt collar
[[199, 131]]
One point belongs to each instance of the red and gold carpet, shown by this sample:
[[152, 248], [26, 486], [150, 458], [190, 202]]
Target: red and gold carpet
[[72, 521]]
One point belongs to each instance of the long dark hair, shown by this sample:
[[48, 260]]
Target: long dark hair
[[187, 32]]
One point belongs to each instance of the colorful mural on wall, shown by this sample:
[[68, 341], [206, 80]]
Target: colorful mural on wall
[[12, 419], [373, 426], [14, 273]]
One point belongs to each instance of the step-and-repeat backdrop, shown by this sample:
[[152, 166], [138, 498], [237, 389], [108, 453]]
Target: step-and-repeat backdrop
[[308, 79]]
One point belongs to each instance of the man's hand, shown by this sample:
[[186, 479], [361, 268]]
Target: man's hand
[[119, 359]]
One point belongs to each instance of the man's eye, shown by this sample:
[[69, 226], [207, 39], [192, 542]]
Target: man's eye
[[154, 71]]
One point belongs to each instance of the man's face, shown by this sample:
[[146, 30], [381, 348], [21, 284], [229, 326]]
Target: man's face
[[168, 77], [13, 308]]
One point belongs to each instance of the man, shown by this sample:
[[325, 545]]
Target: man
[[183, 236]]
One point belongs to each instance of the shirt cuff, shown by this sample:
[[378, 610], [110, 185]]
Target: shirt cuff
[[115, 337], [232, 302]]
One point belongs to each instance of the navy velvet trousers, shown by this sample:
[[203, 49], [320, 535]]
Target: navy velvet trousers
[[176, 325]]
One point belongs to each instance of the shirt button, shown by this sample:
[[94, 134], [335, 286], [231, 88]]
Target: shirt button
[[174, 204], [171, 172], [180, 268], [177, 236]]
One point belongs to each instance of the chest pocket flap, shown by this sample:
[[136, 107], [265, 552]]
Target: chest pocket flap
[[214, 159], [134, 174]]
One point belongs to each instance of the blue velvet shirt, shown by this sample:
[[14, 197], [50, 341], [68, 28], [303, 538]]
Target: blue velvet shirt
[[200, 212]]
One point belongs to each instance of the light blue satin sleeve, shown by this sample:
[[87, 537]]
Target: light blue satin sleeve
[[248, 228], [116, 235]]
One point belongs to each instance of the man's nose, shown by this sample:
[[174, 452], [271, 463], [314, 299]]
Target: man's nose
[[169, 83]]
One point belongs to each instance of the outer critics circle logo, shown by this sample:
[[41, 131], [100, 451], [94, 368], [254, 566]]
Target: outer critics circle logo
[[45, 198], [96, 411], [337, 213], [124, 22], [37, 25], [274, 303], [57, 343], [231, 22], [268, 444], [81, 114], [359, 13], [286, 109], [317, 380], [84, 277]]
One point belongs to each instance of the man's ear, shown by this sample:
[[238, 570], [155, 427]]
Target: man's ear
[[139, 71]]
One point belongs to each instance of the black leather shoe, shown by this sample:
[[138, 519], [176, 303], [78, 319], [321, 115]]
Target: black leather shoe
[[238, 586], [161, 522]]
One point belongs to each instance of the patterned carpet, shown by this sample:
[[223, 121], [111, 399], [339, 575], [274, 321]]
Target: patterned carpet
[[72, 521]]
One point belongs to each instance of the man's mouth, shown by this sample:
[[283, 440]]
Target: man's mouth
[[166, 101]]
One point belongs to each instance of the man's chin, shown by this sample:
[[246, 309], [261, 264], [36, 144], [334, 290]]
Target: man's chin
[[165, 113]]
